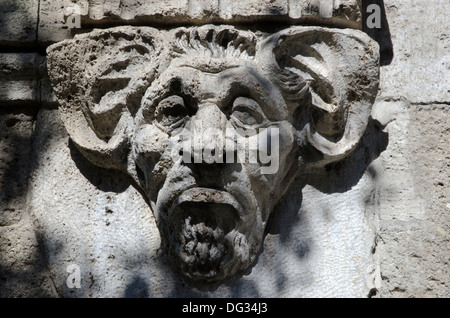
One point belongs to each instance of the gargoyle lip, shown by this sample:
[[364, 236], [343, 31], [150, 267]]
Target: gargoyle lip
[[206, 195]]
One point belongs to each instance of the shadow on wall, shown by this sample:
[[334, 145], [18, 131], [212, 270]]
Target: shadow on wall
[[381, 35], [17, 26], [16, 125], [23, 261], [341, 176], [103, 179], [138, 288], [28, 279], [338, 177]]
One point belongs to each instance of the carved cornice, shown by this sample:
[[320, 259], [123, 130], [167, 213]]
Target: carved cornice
[[335, 13]]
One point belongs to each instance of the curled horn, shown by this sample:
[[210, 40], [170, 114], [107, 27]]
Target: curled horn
[[333, 75], [99, 79]]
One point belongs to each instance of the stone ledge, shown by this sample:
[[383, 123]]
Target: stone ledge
[[102, 13], [224, 10]]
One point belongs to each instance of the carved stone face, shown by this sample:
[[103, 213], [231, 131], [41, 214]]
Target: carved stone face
[[212, 216], [135, 109]]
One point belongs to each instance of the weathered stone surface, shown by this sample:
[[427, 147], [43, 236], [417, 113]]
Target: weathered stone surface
[[144, 95], [409, 202], [52, 22], [22, 270], [18, 81], [421, 45], [375, 224], [24, 80], [108, 230], [54, 14], [15, 145], [18, 22]]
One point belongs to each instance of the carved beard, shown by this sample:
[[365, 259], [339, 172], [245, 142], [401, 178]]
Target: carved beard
[[203, 243]]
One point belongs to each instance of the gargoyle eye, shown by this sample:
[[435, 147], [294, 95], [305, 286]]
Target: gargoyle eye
[[171, 111], [247, 112]]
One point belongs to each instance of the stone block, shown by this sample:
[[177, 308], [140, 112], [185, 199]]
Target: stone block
[[421, 45], [19, 80], [53, 20], [24, 80], [254, 9], [18, 22]]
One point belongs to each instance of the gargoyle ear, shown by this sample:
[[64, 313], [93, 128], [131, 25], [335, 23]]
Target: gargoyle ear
[[99, 79], [333, 74]]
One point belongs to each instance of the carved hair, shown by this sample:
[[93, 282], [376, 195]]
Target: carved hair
[[215, 42]]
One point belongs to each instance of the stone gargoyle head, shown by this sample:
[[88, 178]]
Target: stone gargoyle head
[[151, 102]]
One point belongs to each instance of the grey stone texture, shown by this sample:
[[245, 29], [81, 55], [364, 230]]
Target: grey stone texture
[[221, 11], [18, 22], [376, 224], [421, 45], [24, 80], [22, 265], [411, 203]]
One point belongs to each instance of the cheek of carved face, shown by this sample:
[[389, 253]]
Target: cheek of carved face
[[213, 170]]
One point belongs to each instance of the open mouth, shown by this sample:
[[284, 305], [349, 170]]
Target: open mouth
[[204, 238], [202, 222], [207, 199]]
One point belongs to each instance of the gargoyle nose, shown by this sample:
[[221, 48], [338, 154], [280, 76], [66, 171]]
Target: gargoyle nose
[[207, 135], [209, 127], [210, 117]]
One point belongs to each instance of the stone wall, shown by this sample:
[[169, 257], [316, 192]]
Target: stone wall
[[376, 225]]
